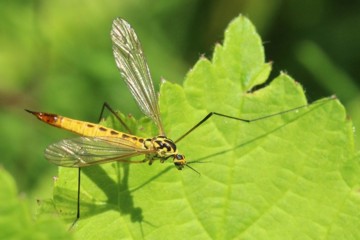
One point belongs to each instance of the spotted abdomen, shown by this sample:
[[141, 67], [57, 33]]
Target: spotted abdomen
[[83, 128]]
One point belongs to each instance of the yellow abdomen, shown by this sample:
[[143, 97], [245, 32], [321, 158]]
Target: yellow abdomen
[[84, 128]]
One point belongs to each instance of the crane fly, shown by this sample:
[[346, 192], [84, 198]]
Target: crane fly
[[99, 144]]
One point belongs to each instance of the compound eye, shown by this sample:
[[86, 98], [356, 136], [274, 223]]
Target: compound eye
[[179, 157]]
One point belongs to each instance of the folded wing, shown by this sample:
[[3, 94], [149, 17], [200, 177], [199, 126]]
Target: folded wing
[[87, 151]]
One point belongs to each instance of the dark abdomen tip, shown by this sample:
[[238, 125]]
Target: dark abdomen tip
[[45, 117]]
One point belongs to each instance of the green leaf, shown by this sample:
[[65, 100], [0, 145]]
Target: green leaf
[[16, 221], [294, 175]]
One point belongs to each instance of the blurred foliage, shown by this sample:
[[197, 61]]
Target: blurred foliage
[[16, 219], [56, 56]]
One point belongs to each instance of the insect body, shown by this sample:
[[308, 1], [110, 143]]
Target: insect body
[[101, 144]]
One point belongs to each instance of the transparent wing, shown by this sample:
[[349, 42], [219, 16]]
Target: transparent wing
[[86, 151], [134, 70]]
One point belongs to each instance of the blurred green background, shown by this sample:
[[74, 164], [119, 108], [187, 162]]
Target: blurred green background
[[56, 56]]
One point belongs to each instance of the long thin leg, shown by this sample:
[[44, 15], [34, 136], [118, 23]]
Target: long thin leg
[[242, 119], [78, 201], [78, 195], [107, 106]]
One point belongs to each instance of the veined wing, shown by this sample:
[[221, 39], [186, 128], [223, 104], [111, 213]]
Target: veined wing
[[134, 70], [86, 151]]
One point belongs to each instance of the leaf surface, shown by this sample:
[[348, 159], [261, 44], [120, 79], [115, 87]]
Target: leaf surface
[[295, 175]]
